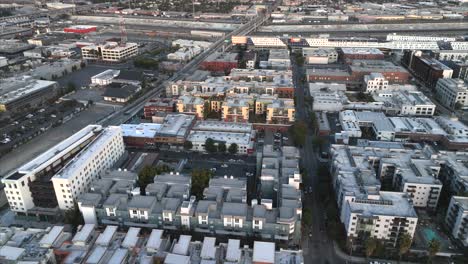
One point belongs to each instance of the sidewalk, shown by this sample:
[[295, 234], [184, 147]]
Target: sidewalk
[[347, 257]]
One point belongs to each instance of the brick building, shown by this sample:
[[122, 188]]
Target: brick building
[[220, 62], [158, 105], [425, 68]]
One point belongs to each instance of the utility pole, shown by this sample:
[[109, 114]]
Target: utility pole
[[123, 31]]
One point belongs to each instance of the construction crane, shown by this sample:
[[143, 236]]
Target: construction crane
[[123, 31]]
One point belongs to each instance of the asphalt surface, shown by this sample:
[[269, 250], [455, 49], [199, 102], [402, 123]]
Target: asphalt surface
[[318, 247]]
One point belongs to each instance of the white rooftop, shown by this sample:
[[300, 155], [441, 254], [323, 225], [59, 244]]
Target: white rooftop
[[154, 241], [144, 130], [83, 235], [263, 252], [105, 237], [182, 245], [91, 149], [49, 239], [11, 253], [208, 250], [96, 255], [14, 88], [233, 252], [131, 238]]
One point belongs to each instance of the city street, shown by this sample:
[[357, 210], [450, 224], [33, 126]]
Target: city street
[[317, 246]]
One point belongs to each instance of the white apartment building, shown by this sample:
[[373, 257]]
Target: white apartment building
[[412, 103], [375, 82], [456, 218], [244, 141], [110, 51], [105, 77], [75, 177], [80, 158], [385, 216], [452, 93], [459, 45]]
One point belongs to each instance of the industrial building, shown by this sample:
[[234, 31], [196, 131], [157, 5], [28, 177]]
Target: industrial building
[[25, 92]]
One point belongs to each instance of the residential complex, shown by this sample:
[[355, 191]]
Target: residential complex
[[58, 176], [452, 93], [457, 218]]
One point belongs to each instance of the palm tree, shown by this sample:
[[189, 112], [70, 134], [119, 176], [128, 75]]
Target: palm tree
[[433, 247], [404, 244]]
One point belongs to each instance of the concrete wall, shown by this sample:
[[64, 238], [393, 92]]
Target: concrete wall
[[157, 22], [365, 27]]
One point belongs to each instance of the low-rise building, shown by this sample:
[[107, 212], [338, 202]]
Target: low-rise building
[[328, 96], [24, 92], [375, 82], [410, 103], [320, 55], [452, 93], [159, 105], [120, 93], [279, 59], [173, 131], [361, 54], [220, 62]]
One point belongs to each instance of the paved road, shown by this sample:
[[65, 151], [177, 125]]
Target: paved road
[[318, 248]]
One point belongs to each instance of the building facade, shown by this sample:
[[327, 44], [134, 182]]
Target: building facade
[[452, 93]]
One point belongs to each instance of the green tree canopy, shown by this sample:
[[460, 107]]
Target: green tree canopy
[[188, 145], [404, 244], [370, 245], [73, 217], [433, 247], [233, 148], [210, 145], [200, 180], [222, 147]]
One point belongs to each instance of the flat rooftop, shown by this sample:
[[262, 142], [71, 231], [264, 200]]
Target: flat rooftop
[[12, 89], [56, 151]]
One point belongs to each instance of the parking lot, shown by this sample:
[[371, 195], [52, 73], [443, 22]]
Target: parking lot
[[53, 136]]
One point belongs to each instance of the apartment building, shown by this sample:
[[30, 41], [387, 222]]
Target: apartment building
[[281, 111], [408, 103], [452, 93], [235, 110], [365, 210], [375, 82], [55, 178], [425, 68], [456, 218], [109, 52], [222, 211], [188, 104]]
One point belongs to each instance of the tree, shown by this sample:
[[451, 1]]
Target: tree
[[71, 87], [73, 217], [458, 106], [206, 109], [370, 246], [233, 148], [222, 147], [200, 180], [307, 217], [210, 145], [188, 145], [299, 132], [433, 247], [146, 175], [404, 244]]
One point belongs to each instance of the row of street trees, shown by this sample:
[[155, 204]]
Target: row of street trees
[[220, 147]]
